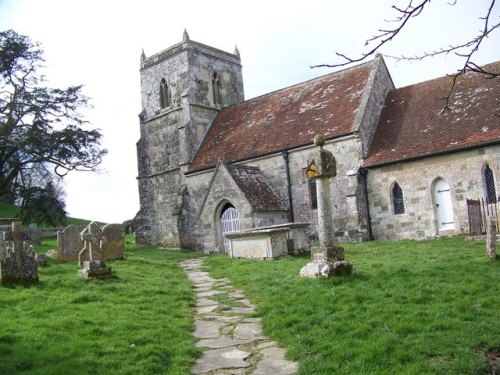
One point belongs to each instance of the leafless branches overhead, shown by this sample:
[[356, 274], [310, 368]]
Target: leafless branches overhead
[[465, 50]]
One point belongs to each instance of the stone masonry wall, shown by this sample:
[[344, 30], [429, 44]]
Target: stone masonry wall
[[378, 85], [170, 136], [463, 172], [345, 190]]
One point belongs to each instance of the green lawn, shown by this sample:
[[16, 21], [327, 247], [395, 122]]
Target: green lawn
[[414, 308], [138, 322]]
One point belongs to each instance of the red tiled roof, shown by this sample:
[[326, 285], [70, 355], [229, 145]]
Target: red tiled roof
[[414, 122], [285, 119], [256, 188]]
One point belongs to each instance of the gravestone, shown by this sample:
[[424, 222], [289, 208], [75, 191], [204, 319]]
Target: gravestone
[[491, 238], [93, 239], [18, 263], [41, 260], [69, 244], [114, 245], [328, 259], [35, 235]]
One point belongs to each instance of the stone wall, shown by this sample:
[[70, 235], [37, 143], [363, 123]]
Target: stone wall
[[378, 85], [463, 172]]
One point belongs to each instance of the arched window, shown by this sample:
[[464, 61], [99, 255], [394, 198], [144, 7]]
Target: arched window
[[489, 183], [216, 88], [397, 199], [164, 94]]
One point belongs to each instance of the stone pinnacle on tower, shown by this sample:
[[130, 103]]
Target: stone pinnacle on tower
[[185, 36]]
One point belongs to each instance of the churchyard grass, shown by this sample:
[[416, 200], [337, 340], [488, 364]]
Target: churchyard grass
[[428, 307], [137, 322]]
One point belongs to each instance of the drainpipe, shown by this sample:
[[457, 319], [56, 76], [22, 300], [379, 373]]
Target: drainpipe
[[289, 187], [364, 174]]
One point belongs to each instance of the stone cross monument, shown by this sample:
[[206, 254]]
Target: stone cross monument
[[17, 263], [328, 259], [93, 239]]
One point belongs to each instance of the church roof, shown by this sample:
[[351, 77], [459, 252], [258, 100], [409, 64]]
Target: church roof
[[285, 119], [256, 188], [414, 122]]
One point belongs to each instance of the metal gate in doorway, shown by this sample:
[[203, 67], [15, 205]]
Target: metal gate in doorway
[[229, 222]]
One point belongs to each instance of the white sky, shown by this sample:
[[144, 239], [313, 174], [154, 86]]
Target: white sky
[[98, 43]]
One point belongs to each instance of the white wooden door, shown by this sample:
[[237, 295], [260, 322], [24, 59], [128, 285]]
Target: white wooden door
[[229, 222], [444, 208]]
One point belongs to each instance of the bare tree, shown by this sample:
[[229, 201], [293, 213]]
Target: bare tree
[[465, 50]]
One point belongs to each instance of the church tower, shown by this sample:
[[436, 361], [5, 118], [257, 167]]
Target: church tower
[[182, 90]]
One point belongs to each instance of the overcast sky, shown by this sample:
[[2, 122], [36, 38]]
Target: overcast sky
[[98, 43]]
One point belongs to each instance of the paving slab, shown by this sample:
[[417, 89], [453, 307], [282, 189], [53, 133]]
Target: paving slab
[[205, 302], [241, 310], [209, 293], [221, 359], [207, 330], [248, 331], [206, 309], [220, 343], [273, 362]]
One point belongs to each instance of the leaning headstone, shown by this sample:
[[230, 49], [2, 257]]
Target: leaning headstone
[[115, 242], [491, 238], [328, 258], [35, 235], [93, 239], [69, 244], [18, 264]]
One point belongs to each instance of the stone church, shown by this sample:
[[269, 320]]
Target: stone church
[[211, 162]]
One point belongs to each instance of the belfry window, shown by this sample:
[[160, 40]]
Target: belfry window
[[397, 199], [489, 182], [164, 94], [216, 88]]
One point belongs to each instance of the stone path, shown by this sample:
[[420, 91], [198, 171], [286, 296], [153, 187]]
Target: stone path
[[231, 339]]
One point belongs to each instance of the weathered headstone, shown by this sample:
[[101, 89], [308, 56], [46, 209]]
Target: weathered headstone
[[93, 239], [328, 259], [18, 263], [69, 244], [41, 259], [115, 242], [491, 238], [35, 235]]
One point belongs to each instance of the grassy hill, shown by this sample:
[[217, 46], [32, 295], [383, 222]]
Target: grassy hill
[[9, 211]]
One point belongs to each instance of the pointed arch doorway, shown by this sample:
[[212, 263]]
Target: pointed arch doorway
[[444, 207], [229, 222]]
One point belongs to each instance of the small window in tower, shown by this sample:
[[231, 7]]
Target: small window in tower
[[397, 198], [489, 182], [164, 94], [216, 88], [313, 194]]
